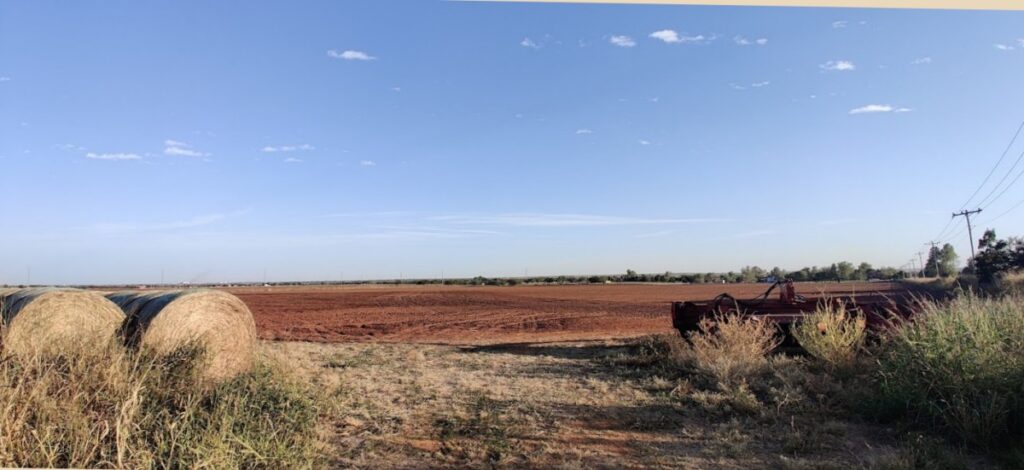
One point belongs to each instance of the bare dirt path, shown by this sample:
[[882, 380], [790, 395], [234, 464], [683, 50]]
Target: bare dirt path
[[489, 315]]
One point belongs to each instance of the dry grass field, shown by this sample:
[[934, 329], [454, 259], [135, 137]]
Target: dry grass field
[[594, 404]]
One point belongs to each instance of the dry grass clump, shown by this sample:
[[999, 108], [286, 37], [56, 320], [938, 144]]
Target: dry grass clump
[[111, 408], [832, 335], [165, 321], [731, 348], [959, 366], [46, 319]]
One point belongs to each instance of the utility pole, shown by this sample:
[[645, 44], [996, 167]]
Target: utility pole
[[913, 267], [919, 258], [970, 233]]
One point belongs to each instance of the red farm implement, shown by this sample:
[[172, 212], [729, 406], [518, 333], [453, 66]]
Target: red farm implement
[[789, 308]]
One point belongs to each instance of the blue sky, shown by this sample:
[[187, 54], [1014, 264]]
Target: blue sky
[[326, 140]]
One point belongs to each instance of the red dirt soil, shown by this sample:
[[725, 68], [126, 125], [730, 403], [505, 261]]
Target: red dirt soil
[[488, 315]]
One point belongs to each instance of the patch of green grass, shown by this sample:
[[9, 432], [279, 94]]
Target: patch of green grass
[[959, 367]]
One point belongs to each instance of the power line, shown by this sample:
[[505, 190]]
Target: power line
[[1000, 183], [1014, 181], [1011, 209], [945, 230], [993, 170]]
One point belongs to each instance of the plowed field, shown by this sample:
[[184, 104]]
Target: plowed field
[[486, 315]]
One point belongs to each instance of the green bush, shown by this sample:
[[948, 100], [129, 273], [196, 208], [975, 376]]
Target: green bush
[[832, 336], [959, 366]]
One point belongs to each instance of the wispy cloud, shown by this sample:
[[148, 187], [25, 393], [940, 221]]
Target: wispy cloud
[[561, 220], [178, 148], [643, 142], [130, 228], [669, 36], [838, 66], [659, 233], [840, 24], [584, 131], [71, 147], [527, 42], [113, 156], [287, 148], [292, 160], [622, 41], [761, 84], [5, 79], [921, 61], [367, 163], [879, 108], [1003, 47], [350, 55], [755, 233], [827, 223], [742, 41]]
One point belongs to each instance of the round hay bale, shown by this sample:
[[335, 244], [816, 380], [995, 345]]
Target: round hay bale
[[50, 320], [167, 320]]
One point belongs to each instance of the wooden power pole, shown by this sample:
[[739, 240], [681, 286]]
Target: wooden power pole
[[970, 233]]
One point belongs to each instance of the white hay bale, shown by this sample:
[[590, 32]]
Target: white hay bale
[[50, 320], [217, 320]]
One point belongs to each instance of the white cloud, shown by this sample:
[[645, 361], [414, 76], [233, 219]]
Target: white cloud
[[666, 35], [287, 148], [292, 160], [742, 41], [921, 61], [838, 65], [113, 156], [177, 148], [584, 131], [671, 37], [5, 79], [527, 42], [559, 220], [367, 163], [1019, 41], [840, 24], [350, 55], [643, 142], [879, 108], [622, 41], [71, 147], [760, 84], [1003, 47], [396, 89]]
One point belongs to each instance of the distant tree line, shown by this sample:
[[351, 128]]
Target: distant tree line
[[841, 271]]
